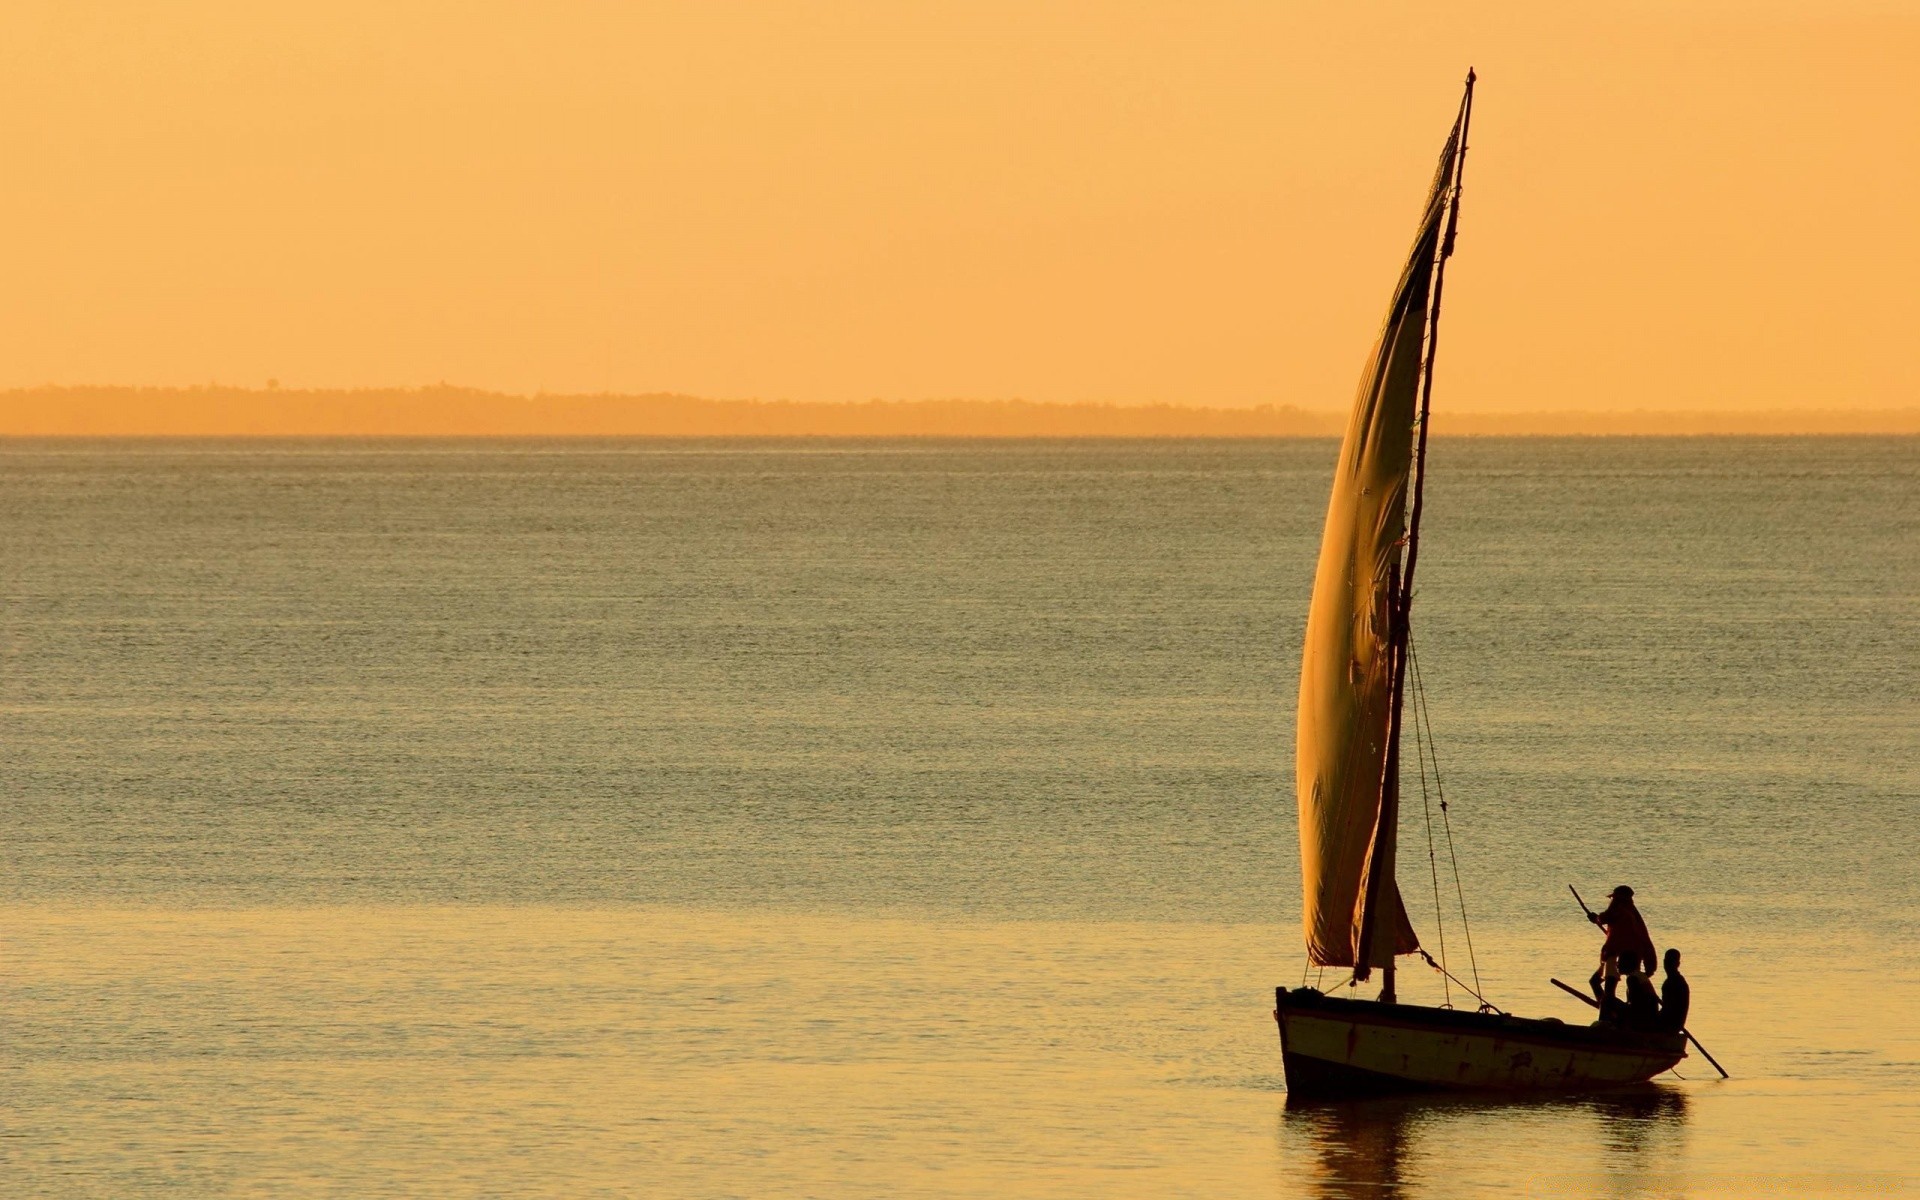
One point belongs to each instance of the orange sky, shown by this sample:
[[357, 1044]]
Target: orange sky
[[1692, 205]]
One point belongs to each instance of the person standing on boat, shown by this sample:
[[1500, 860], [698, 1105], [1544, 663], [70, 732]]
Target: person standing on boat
[[1626, 934], [1613, 1010], [1676, 996]]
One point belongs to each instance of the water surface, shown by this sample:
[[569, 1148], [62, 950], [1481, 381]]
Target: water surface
[[915, 818]]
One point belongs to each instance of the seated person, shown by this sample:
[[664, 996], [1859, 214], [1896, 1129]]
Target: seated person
[[1643, 1005], [1676, 997]]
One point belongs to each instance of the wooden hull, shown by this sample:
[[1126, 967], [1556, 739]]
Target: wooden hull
[[1333, 1048]]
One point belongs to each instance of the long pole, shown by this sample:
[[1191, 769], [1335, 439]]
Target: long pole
[[1576, 993], [1582, 903], [1708, 1057]]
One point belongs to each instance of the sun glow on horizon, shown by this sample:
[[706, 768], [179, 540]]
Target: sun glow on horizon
[[1699, 208]]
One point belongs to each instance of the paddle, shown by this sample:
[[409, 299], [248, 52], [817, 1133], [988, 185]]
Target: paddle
[[1708, 1057], [1592, 1003], [1576, 993]]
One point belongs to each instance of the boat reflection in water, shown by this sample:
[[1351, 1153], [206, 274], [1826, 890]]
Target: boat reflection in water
[[1405, 1146]]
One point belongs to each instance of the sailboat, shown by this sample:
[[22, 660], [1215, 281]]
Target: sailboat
[[1353, 692]]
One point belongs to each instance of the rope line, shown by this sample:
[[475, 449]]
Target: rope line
[[1486, 1005], [1433, 863], [1420, 701]]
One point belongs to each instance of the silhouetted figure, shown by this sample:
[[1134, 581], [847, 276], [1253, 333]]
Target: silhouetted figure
[[1626, 934], [1675, 996], [1643, 1005], [1613, 1010]]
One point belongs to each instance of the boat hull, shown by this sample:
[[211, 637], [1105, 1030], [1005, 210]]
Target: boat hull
[[1333, 1048]]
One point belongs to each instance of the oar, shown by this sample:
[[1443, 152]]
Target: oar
[[1576, 993], [1582, 996], [1708, 1057]]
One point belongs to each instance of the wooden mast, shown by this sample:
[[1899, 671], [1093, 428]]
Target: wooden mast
[[1379, 870]]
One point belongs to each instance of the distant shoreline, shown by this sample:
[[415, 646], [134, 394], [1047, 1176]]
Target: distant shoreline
[[225, 412]]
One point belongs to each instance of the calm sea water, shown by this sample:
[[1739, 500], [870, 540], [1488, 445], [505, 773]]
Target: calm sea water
[[713, 819]]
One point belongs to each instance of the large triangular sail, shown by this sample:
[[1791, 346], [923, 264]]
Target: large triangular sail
[[1352, 668]]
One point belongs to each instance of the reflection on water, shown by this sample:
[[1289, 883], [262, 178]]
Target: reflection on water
[[1359, 1147], [1405, 1146], [1642, 1119], [1642, 1132]]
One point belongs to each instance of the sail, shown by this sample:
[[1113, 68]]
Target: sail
[[1346, 671]]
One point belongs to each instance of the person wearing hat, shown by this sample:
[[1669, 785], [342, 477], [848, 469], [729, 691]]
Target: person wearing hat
[[1626, 934]]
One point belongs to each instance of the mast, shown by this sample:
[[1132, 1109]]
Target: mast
[[1426, 391], [1380, 862]]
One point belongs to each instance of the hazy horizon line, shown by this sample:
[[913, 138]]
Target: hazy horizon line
[[445, 410]]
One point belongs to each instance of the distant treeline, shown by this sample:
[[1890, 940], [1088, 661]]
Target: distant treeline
[[214, 411]]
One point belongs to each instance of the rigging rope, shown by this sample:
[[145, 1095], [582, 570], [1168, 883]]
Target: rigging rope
[[1486, 1005], [1420, 703], [1433, 863]]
